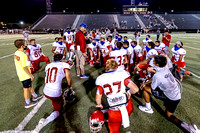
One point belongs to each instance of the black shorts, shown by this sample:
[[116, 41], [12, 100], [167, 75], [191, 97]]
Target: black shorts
[[27, 83], [171, 105]]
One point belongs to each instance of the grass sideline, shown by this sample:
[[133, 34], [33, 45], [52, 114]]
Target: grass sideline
[[76, 116]]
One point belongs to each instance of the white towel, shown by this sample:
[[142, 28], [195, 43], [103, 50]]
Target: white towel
[[125, 117]]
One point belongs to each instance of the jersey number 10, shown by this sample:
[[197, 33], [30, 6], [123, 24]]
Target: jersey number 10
[[51, 75]]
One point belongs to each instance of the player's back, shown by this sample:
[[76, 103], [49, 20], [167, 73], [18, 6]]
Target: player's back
[[69, 37], [139, 50], [55, 72], [59, 47], [112, 82], [119, 56]]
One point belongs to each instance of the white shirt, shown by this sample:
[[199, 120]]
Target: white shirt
[[33, 52], [164, 79], [59, 48], [55, 72], [145, 42], [69, 37], [139, 50], [130, 51], [93, 48], [181, 51], [119, 56], [160, 48], [104, 48], [151, 53], [112, 83]]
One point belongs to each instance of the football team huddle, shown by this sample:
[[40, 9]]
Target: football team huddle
[[123, 59]]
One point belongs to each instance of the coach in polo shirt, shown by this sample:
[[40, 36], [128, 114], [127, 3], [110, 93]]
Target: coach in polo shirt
[[80, 51]]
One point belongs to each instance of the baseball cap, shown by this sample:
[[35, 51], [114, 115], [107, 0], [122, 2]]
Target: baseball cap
[[83, 25]]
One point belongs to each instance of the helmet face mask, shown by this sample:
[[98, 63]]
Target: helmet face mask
[[96, 121]]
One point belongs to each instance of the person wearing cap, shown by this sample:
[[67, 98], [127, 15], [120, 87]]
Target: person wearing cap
[[80, 51]]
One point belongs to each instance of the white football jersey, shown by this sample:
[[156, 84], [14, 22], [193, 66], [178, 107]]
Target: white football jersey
[[174, 52], [34, 52], [119, 56], [112, 83], [69, 37], [138, 49], [151, 53], [160, 48], [59, 48], [145, 42], [93, 48], [55, 72], [181, 51], [104, 48], [130, 52]]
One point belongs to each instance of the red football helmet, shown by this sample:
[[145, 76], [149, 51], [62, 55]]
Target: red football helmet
[[96, 121]]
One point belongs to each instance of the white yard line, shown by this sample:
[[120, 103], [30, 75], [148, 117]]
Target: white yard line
[[21, 126], [6, 56], [13, 54]]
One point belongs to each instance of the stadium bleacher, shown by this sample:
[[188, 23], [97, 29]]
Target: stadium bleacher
[[184, 21], [58, 21]]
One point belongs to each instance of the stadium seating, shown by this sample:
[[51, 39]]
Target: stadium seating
[[97, 21], [55, 22], [184, 21], [132, 23]]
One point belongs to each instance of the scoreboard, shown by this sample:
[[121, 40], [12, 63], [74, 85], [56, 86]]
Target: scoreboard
[[132, 9]]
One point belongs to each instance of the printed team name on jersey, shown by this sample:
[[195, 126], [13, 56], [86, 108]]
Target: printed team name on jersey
[[17, 57]]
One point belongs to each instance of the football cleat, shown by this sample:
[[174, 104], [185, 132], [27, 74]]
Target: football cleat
[[96, 121], [69, 95], [39, 96]]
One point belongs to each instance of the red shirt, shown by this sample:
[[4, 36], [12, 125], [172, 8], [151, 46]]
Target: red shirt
[[166, 42], [80, 41]]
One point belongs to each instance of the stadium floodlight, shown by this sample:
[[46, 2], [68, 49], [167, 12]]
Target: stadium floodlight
[[21, 22]]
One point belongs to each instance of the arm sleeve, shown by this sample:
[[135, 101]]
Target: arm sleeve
[[154, 83], [127, 81], [99, 90]]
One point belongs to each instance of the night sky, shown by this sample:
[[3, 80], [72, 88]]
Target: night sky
[[30, 10]]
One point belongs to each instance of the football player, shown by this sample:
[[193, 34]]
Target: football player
[[35, 55], [165, 87], [130, 56], [55, 72], [104, 50], [159, 47], [145, 42], [26, 36], [178, 54], [93, 52], [69, 41], [59, 48], [113, 84], [119, 55], [137, 51]]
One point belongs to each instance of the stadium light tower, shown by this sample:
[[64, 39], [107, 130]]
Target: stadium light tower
[[48, 6], [133, 2]]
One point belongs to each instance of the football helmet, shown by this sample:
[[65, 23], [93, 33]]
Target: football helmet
[[96, 121], [69, 95]]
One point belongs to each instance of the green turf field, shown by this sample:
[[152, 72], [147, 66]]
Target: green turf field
[[75, 117]]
